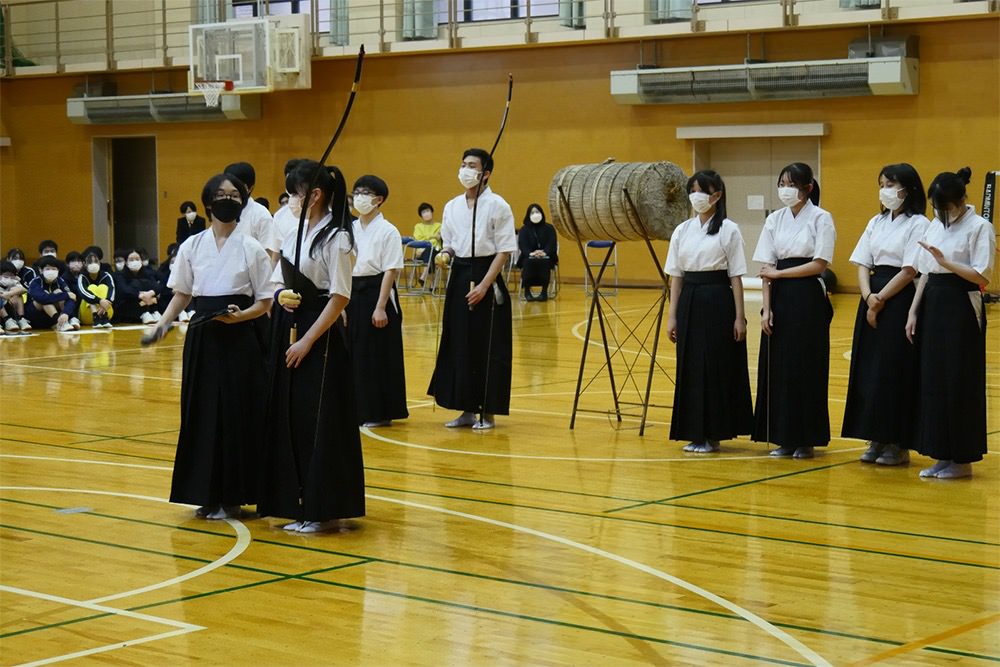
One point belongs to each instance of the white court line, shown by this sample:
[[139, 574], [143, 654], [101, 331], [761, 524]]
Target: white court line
[[760, 457], [243, 540], [89, 461], [85, 371], [747, 615]]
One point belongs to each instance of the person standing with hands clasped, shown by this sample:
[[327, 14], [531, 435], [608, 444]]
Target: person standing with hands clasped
[[374, 318], [795, 246], [225, 275], [313, 470], [473, 367], [947, 322], [707, 322], [880, 393]]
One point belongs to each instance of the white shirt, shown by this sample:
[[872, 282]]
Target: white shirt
[[889, 241], [692, 248], [379, 247], [240, 267], [256, 221], [494, 226], [969, 241], [330, 269], [809, 234], [285, 223]]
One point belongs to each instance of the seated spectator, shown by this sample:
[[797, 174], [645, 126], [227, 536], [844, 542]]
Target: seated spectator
[[49, 248], [167, 294], [26, 273], [427, 230], [137, 291], [12, 293], [120, 259], [96, 289], [189, 224], [51, 303], [74, 265], [537, 253]]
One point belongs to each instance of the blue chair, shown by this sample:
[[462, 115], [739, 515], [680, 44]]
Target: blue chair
[[594, 260]]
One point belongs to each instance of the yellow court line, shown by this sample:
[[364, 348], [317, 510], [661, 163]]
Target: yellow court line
[[927, 641]]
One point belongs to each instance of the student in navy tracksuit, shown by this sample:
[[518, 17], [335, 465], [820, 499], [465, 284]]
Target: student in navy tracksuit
[[51, 303]]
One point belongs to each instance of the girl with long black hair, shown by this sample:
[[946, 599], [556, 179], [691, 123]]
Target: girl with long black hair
[[313, 468]]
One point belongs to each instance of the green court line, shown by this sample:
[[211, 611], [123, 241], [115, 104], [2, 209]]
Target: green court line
[[730, 486], [85, 449], [501, 484], [54, 430], [550, 621], [964, 654], [716, 531], [832, 524]]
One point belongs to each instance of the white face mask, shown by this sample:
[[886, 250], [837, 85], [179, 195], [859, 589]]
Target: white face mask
[[700, 201], [535, 217], [145, 262], [49, 253], [18, 263], [789, 196], [50, 275], [119, 265], [134, 265], [363, 204], [468, 177], [191, 215], [295, 205], [890, 198], [93, 267], [8, 282]]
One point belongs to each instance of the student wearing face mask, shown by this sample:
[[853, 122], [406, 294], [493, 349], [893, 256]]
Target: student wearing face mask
[[190, 223], [96, 288], [50, 300], [428, 231], [49, 248], [313, 469], [795, 246], [120, 259], [223, 384], [706, 264], [473, 368], [947, 323], [374, 318], [285, 222], [880, 392], [538, 253], [24, 272], [12, 300], [255, 220], [137, 291]]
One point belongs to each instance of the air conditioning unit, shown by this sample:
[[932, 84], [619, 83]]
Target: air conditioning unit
[[847, 77], [163, 108]]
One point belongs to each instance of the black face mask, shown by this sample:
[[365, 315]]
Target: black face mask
[[226, 210]]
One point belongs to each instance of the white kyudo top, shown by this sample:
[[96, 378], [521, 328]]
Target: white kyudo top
[[692, 248], [889, 241], [969, 241], [494, 226], [240, 267], [285, 224], [809, 234], [256, 221], [379, 247], [330, 270]]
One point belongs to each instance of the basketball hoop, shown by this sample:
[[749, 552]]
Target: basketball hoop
[[212, 89]]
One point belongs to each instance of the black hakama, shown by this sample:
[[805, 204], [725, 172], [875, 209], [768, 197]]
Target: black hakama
[[313, 468], [536, 272], [880, 392], [951, 372], [223, 386], [462, 379], [712, 394], [793, 372], [377, 354]]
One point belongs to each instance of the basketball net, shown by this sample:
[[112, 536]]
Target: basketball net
[[211, 90]]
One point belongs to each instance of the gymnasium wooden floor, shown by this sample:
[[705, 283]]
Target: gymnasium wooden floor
[[529, 545]]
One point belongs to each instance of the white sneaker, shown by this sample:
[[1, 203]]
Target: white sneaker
[[73, 322], [156, 316], [146, 318], [11, 325], [184, 316], [24, 324], [65, 326]]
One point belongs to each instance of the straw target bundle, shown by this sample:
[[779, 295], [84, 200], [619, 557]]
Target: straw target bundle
[[595, 193]]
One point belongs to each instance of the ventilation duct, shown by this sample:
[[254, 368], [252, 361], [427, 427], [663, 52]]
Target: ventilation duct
[[767, 81], [164, 108]]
